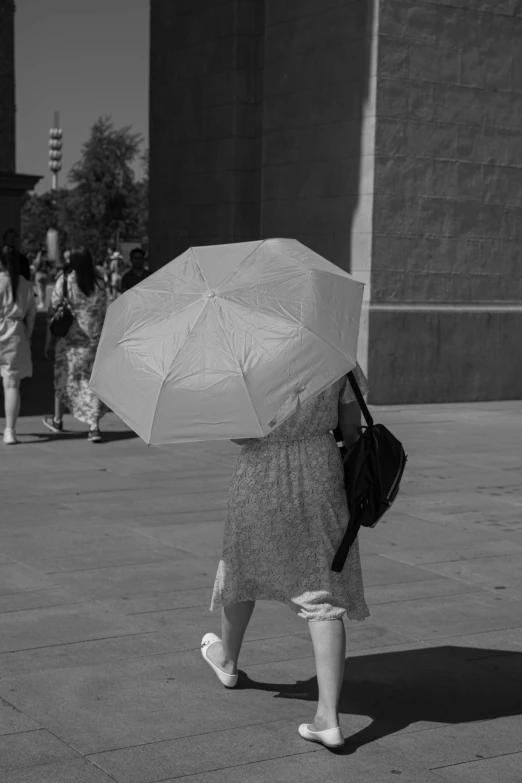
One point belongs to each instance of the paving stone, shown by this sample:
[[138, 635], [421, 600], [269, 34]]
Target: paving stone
[[37, 599], [502, 769], [61, 625], [30, 748], [449, 745], [95, 651], [479, 645], [262, 644], [438, 653], [379, 570], [430, 618], [508, 665], [487, 571], [20, 514], [204, 539], [206, 752], [163, 600], [368, 764], [141, 578], [139, 507], [407, 690], [269, 618], [74, 546], [13, 721], [16, 577], [514, 593], [400, 531], [97, 708], [142, 518], [76, 771], [409, 591], [447, 554]]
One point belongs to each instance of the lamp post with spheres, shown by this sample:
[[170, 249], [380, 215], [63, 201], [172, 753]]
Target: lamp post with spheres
[[55, 165]]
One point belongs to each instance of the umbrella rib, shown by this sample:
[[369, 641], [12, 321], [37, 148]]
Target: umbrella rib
[[256, 285], [239, 367], [162, 384], [235, 270]]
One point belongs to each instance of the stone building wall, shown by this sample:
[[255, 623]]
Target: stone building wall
[[384, 134], [7, 87], [446, 292], [205, 128], [13, 186]]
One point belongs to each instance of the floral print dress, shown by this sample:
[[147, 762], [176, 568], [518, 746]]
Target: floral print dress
[[287, 514], [75, 353]]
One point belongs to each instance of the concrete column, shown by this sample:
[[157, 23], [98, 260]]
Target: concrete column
[[446, 292], [7, 87], [205, 129]]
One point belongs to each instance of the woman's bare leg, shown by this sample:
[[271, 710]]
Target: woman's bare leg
[[329, 642], [11, 402], [234, 622], [58, 409]]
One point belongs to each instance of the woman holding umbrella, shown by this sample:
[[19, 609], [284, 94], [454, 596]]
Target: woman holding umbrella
[[287, 516], [253, 340]]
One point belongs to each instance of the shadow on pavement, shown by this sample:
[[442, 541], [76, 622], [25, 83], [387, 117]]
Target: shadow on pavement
[[45, 437], [446, 685]]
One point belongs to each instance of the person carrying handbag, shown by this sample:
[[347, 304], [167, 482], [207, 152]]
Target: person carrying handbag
[[287, 514], [78, 306]]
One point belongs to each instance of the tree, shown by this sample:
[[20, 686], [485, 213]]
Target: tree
[[40, 212], [105, 196]]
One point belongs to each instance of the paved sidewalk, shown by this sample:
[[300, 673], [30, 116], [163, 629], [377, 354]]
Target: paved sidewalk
[[107, 559]]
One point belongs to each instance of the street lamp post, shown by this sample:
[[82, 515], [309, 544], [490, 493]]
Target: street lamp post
[[55, 149], [55, 165]]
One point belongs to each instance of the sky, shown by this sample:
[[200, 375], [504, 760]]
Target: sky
[[83, 58]]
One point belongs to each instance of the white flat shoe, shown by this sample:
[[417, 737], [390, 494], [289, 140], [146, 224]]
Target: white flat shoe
[[9, 437], [331, 738], [228, 680]]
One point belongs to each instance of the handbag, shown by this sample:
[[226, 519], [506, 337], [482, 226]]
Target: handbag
[[373, 470], [62, 320]]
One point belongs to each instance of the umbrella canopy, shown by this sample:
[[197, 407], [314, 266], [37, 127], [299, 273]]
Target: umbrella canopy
[[223, 341]]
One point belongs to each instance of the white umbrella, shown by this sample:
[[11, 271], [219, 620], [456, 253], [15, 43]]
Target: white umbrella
[[223, 341]]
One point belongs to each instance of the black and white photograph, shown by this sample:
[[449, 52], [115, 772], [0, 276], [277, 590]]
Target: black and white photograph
[[261, 391]]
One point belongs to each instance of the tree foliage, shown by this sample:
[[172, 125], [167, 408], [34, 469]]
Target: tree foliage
[[104, 198], [40, 213]]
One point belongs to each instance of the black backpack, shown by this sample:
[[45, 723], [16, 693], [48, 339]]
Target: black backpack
[[373, 470]]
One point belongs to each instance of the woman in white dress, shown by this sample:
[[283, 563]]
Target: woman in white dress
[[17, 317]]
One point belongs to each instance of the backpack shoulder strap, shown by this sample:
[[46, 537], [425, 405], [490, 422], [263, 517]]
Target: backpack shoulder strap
[[360, 399]]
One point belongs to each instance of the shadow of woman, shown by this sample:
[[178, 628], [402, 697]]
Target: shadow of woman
[[432, 685]]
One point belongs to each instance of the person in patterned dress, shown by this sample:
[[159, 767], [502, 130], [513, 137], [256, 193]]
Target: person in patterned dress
[[287, 514], [74, 354]]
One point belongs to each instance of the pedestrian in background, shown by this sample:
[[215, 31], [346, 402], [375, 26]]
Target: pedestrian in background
[[74, 354], [117, 268], [102, 270], [17, 317], [42, 269], [137, 272], [11, 238]]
